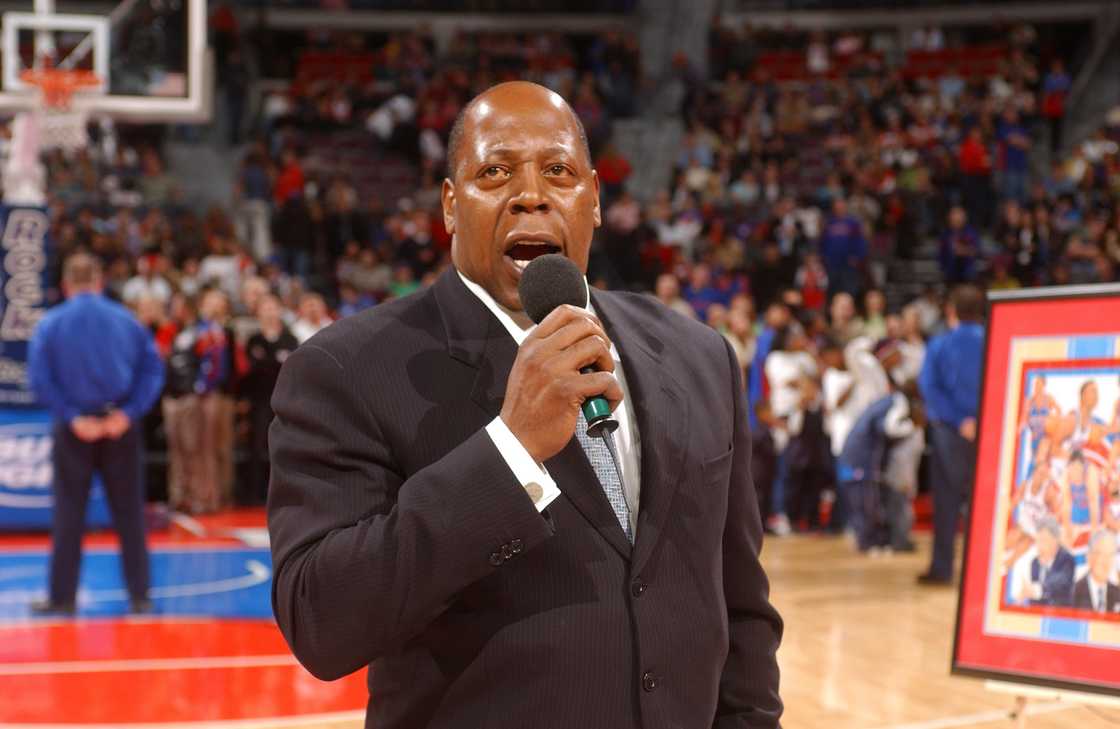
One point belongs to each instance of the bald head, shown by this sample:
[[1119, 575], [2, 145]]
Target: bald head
[[512, 94]]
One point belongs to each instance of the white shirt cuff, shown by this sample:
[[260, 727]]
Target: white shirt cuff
[[534, 479]]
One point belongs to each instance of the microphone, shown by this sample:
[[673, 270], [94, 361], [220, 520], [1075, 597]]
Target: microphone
[[550, 281]]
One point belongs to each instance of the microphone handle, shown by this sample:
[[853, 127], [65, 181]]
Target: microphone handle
[[597, 411]]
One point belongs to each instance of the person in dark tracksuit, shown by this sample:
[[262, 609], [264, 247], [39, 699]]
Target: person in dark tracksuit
[[96, 368], [266, 351], [862, 460]]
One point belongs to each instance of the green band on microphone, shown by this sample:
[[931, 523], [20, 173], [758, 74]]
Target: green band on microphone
[[595, 409]]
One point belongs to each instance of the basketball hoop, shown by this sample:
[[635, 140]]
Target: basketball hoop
[[59, 125]]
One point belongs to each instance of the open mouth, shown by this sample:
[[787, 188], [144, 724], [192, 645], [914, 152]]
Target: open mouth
[[525, 251]]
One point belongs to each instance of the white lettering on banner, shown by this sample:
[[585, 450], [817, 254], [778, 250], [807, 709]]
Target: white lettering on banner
[[24, 264], [25, 287], [17, 397], [25, 476], [25, 462], [19, 322], [29, 448], [12, 371]]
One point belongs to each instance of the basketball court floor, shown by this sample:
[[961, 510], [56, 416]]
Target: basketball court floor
[[865, 647]]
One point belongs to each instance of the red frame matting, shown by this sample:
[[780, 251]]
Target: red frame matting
[[1036, 660]]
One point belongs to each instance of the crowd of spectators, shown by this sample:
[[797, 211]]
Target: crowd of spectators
[[786, 193], [805, 172]]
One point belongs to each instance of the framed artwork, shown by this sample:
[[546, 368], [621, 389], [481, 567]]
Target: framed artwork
[[1040, 593]]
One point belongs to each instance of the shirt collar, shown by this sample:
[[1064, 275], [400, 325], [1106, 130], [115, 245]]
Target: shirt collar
[[517, 323]]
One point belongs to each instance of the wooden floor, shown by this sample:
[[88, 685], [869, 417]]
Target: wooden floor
[[867, 648]]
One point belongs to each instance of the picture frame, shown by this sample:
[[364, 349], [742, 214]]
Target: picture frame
[[1048, 418]]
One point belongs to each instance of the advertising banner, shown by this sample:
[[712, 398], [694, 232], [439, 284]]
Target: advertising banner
[[25, 429]]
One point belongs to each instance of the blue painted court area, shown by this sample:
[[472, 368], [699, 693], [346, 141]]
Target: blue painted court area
[[222, 583]]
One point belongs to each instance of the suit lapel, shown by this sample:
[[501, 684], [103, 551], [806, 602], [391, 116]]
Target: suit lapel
[[475, 338], [658, 402], [499, 352]]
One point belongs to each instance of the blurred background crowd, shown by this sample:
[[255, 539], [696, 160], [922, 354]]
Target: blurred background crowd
[[824, 194]]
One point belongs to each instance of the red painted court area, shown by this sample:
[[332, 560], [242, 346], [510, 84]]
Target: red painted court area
[[165, 668]]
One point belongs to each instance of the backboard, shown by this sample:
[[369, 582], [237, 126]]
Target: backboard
[[150, 55]]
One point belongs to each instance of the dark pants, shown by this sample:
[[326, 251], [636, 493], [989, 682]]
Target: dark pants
[[863, 499], [803, 502], [260, 417], [952, 467], [900, 518], [119, 462]]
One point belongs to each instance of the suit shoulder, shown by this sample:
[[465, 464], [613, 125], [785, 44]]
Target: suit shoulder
[[372, 333], [653, 316]]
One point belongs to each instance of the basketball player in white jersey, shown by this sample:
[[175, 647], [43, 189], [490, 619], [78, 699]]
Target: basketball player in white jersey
[[1038, 497]]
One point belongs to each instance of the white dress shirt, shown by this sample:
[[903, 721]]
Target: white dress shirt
[[532, 475]]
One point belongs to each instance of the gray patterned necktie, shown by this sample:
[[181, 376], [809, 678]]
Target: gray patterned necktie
[[601, 461]]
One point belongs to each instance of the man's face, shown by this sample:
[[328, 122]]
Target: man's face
[[1047, 546], [311, 309], [1101, 559], [667, 288], [522, 187], [1089, 398], [269, 311], [212, 306]]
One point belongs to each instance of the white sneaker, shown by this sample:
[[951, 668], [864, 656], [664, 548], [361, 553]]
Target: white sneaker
[[779, 524]]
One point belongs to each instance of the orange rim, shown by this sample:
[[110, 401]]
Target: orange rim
[[59, 85]]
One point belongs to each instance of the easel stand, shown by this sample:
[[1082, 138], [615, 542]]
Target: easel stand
[[1025, 694]]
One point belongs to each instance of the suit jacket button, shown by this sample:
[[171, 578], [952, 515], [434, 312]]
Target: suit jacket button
[[649, 681], [516, 546], [496, 559], [507, 551], [637, 587]]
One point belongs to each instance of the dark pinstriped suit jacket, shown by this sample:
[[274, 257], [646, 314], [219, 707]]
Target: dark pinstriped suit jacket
[[402, 540]]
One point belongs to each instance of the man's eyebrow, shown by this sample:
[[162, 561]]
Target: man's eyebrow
[[510, 152]]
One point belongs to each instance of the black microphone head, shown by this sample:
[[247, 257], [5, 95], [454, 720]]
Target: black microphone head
[[549, 281]]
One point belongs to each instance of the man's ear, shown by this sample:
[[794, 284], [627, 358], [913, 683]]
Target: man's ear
[[447, 198], [596, 214]]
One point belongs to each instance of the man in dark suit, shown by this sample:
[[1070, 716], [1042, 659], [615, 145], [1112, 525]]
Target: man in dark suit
[[433, 516], [1095, 591], [1051, 577]]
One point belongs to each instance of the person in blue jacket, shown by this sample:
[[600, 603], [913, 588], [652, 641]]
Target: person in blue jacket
[[950, 385], [96, 368]]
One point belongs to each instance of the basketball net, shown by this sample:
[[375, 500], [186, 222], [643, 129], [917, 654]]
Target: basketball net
[[60, 126], [51, 124]]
